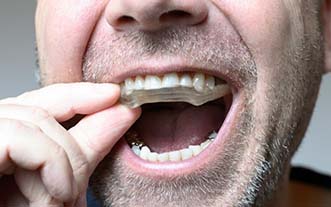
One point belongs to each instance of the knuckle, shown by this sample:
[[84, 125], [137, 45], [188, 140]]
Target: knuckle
[[71, 110], [45, 200], [40, 114], [81, 167], [10, 125], [54, 87], [9, 100], [9, 128], [25, 95], [35, 129], [59, 152]]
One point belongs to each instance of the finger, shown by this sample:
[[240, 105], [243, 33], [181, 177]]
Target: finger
[[5, 162], [30, 149], [54, 131], [63, 101], [6, 165], [82, 201], [33, 189], [97, 133]]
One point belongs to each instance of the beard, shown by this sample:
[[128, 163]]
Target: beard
[[276, 104]]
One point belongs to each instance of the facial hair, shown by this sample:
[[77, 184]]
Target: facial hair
[[254, 160]]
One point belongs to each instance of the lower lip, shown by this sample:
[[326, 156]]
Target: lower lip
[[186, 167]]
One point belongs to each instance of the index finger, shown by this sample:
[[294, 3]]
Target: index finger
[[63, 101]]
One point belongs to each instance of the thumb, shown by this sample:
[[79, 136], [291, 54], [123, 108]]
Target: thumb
[[96, 134]]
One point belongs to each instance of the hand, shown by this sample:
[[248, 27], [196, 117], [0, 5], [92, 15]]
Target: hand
[[42, 163]]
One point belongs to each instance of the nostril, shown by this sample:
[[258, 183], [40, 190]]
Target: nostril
[[152, 15], [125, 20], [175, 15]]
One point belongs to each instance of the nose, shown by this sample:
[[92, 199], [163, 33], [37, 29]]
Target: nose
[[154, 14]]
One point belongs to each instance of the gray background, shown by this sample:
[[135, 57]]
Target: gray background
[[17, 66]]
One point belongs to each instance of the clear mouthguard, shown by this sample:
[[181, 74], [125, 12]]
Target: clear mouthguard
[[136, 98]]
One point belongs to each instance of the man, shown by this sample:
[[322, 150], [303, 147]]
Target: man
[[233, 151]]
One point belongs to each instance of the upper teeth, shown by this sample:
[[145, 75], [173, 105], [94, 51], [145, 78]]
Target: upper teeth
[[198, 81]]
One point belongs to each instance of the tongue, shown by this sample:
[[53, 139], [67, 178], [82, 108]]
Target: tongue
[[173, 126]]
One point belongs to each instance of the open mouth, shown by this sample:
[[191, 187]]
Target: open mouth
[[182, 114]]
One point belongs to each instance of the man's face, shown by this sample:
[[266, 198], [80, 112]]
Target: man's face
[[269, 52]]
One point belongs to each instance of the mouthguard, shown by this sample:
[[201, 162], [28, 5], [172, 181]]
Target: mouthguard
[[137, 98]]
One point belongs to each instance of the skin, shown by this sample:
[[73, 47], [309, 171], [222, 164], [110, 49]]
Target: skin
[[276, 53]]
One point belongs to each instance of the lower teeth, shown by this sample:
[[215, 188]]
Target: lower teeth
[[145, 153]]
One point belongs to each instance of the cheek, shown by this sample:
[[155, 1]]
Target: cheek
[[268, 29], [63, 30], [263, 25]]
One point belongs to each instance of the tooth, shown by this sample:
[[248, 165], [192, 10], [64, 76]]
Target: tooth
[[170, 80], [122, 85], [164, 157], [196, 149], [174, 156], [152, 82], [123, 89], [129, 85], [199, 82], [186, 154], [213, 135], [139, 83], [136, 150], [186, 81], [205, 144], [152, 157], [210, 82], [145, 151]]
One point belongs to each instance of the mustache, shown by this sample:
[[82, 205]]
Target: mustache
[[205, 47]]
